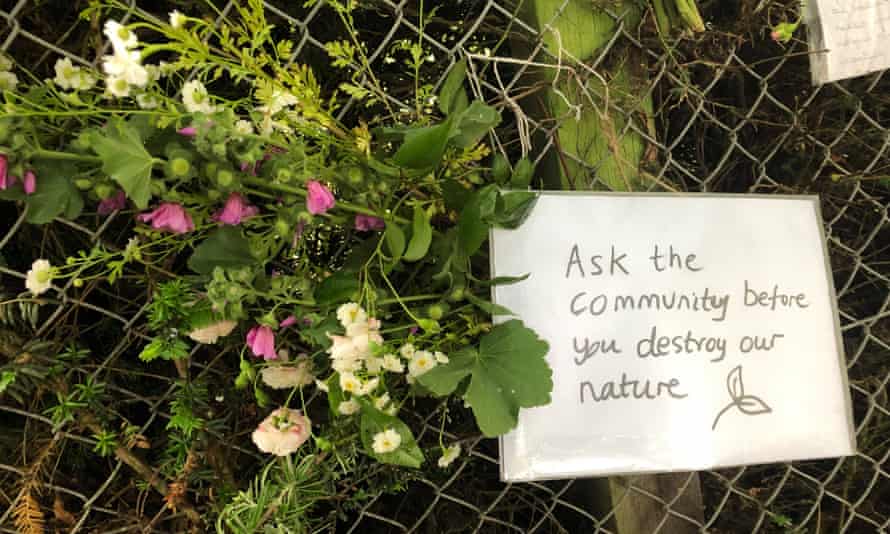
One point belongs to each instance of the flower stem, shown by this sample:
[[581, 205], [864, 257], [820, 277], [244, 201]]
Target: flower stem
[[65, 156]]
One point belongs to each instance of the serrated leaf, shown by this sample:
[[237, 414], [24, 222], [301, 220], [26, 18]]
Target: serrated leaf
[[55, 194], [339, 287], [473, 123], [453, 87], [408, 454], [421, 236], [423, 147], [125, 160], [395, 241], [507, 372], [225, 248]]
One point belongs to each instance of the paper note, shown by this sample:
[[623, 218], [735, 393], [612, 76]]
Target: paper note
[[848, 38], [685, 332]]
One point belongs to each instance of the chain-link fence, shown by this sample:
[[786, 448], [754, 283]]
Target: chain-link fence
[[724, 110]]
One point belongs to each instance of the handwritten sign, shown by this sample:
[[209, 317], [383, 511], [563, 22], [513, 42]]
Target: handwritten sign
[[849, 38], [686, 332]]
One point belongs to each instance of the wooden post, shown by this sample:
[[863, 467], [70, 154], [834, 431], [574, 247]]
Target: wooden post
[[577, 29]]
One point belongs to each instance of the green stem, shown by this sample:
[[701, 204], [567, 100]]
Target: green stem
[[413, 298], [345, 206], [66, 156]]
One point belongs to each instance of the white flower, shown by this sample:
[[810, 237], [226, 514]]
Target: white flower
[[381, 401], [282, 432], [5, 62], [348, 407], [278, 100], [386, 441], [392, 363], [322, 386], [350, 313], [422, 362], [407, 351], [373, 365], [176, 19], [147, 101], [244, 127], [449, 455], [39, 278], [117, 86], [195, 98], [440, 357], [211, 333], [70, 77], [281, 376], [350, 383], [120, 36], [8, 81], [125, 65]]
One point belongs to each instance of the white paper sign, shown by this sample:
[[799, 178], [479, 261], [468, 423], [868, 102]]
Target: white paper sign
[[686, 332], [848, 38]]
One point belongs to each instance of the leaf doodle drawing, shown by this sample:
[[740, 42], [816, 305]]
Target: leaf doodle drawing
[[747, 404]]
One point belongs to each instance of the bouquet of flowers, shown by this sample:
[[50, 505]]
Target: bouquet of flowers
[[335, 272]]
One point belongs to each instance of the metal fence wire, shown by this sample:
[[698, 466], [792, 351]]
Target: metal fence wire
[[724, 110]]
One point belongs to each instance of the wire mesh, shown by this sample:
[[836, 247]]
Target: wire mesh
[[732, 111]]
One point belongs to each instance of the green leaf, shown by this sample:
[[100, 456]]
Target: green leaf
[[487, 306], [7, 378], [456, 194], [475, 121], [452, 88], [55, 194], [507, 372], [339, 287], [408, 454], [423, 147], [421, 236], [522, 174], [471, 227], [513, 209], [335, 394], [395, 240], [166, 348], [225, 248], [125, 160], [500, 280], [500, 169]]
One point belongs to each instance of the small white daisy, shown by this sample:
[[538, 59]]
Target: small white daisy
[[449, 455], [195, 98], [177, 19], [39, 278], [348, 407], [392, 363]]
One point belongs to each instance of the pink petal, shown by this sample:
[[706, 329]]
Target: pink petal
[[30, 182], [319, 198], [288, 321]]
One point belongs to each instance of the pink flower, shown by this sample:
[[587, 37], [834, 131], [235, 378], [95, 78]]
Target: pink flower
[[363, 223], [236, 210], [188, 131], [775, 36], [319, 198], [169, 216], [115, 202], [288, 321], [4, 177], [282, 432], [261, 341], [30, 182]]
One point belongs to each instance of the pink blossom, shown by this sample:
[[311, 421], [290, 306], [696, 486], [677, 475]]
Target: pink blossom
[[363, 223], [282, 432], [236, 210], [261, 341], [319, 198], [115, 202], [30, 182], [5, 179], [188, 131], [775, 36], [288, 321], [169, 216]]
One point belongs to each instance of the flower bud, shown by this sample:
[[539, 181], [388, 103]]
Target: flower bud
[[84, 184]]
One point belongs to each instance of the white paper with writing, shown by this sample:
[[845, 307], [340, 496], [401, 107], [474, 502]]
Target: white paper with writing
[[728, 337], [848, 38]]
